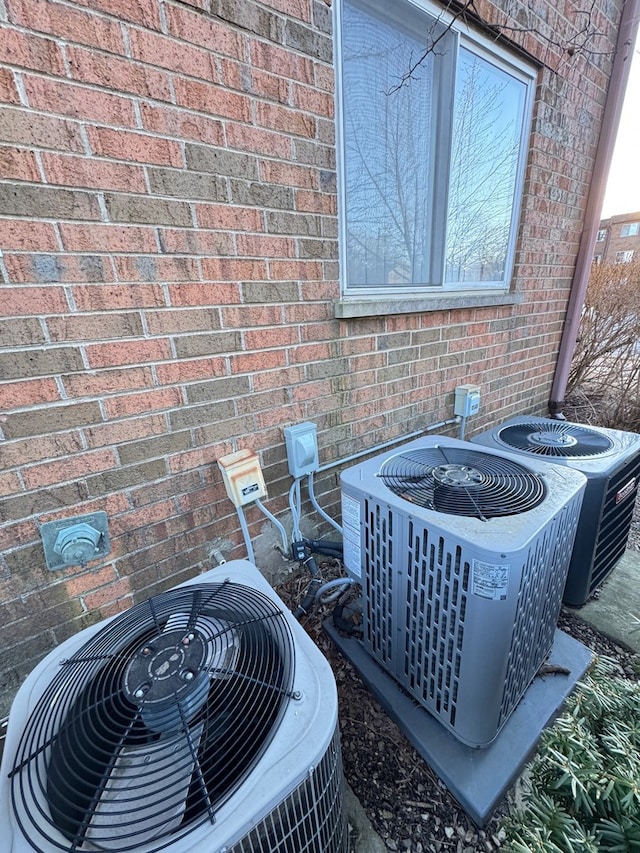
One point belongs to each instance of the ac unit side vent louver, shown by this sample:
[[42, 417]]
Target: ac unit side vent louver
[[615, 521], [311, 819], [460, 609], [191, 716], [610, 459]]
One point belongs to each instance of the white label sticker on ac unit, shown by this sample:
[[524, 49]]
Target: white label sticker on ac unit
[[351, 535], [490, 580]]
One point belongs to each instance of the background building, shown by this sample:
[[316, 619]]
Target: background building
[[618, 239]]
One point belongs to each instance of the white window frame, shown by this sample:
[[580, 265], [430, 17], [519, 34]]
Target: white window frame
[[602, 234], [625, 257], [632, 229], [440, 290]]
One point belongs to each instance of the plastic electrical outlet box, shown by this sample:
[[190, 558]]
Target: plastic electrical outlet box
[[467, 400], [242, 477], [301, 442]]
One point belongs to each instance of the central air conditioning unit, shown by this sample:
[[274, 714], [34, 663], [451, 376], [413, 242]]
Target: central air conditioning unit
[[610, 459], [202, 719], [462, 556]]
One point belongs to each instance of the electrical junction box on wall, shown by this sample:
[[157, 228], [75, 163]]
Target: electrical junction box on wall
[[467, 400], [242, 477], [302, 448]]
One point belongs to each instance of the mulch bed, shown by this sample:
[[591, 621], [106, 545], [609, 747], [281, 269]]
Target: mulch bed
[[405, 801]]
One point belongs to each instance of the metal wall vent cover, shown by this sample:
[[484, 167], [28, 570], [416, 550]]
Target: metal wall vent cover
[[157, 732], [461, 611], [610, 459], [459, 481], [555, 439]]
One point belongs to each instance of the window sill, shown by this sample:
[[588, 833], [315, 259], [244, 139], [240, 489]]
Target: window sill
[[372, 307]]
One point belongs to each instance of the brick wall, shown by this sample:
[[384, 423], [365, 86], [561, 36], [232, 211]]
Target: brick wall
[[168, 277]]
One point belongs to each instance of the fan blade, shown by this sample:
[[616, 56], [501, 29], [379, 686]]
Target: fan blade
[[459, 501], [158, 776]]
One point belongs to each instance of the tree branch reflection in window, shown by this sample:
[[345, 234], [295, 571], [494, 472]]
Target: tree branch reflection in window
[[432, 164]]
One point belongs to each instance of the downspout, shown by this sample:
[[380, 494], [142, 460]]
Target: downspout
[[609, 129]]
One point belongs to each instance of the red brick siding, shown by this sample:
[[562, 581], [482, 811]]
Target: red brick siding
[[169, 268]]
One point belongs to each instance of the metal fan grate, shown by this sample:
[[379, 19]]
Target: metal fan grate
[[463, 482], [155, 722], [555, 439]]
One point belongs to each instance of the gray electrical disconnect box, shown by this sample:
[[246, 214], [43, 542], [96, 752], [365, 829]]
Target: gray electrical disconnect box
[[467, 400], [301, 441]]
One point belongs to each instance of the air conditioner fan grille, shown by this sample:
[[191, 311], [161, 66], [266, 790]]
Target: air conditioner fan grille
[[155, 722], [555, 439], [462, 482]]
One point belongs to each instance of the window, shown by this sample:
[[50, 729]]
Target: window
[[431, 165], [597, 260], [602, 234], [630, 230], [624, 257]]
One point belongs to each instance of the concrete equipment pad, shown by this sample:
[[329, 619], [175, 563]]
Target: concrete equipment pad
[[615, 611], [477, 778]]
